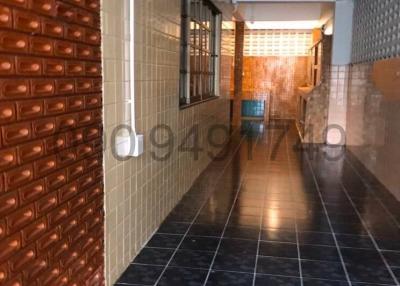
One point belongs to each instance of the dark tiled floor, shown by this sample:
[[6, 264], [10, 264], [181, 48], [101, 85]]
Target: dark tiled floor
[[285, 217]]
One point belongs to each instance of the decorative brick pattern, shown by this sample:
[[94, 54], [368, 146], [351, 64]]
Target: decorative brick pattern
[[51, 193], [278, 78]]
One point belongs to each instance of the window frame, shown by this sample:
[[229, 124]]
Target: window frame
[[206, 76]]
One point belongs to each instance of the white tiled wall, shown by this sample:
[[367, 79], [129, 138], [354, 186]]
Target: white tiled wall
[[120, 181], [337, 111], [140, 192]]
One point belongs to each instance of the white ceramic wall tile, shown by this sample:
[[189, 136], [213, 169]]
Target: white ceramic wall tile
[[140, 192], [336, 134]]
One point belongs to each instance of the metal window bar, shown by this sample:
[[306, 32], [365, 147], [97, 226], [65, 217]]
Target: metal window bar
[[199, 51]]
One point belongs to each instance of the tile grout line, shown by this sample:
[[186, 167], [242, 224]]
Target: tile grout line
[[296, 219], [227, 221], [329, 221], [293, 159], [374, 194], [271, 241], [261, 223], [198, 212], [371, 237]]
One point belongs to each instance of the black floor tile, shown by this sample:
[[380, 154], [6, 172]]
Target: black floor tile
[[180, 217], [216, 218], [354, 241], [278, 266], [392, 258], [279, 235], [323, 270], [350, 228], [257, 199], [165, 241], [340, 218], [313, 225], [238, 246], [249, 202], [263, 280], [288, 224], [141, 274], [200, 243], [214, 230], [369, 273], [244, 221], [316, 252], [278, 249], [192, 259], [388, 244], [279, 206], [242, 232], [316, 238], [234, 262], [280, 197], [357, 256], [183, 276], [251, 195], [154, 256], [173, 228], [246, 211], [317, 282], [222, 278], [396, 272]]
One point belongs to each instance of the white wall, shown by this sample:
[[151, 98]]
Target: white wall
[[140, 192], [343, 33]]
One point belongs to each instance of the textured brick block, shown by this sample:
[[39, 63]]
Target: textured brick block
[[50, 143]]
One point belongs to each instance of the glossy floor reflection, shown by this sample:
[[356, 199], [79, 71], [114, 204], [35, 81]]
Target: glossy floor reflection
[[268, 213]]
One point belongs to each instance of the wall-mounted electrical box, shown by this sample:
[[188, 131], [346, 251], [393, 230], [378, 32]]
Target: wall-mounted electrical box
[[129, 145]]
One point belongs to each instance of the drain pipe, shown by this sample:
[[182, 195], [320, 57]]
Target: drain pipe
[[131, 144]]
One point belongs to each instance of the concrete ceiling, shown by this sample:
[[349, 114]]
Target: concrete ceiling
[[280, 11], [309, 14]]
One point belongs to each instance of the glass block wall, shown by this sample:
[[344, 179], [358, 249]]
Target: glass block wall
[[277, 42], [376, 33]]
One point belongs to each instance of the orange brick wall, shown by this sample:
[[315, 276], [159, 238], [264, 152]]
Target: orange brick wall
[[51, 193], [278, 76]]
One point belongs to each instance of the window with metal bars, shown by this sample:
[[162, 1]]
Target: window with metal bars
[[200, 45]]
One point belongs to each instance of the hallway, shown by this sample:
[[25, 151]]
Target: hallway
[[112, 112], [282, 217]]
